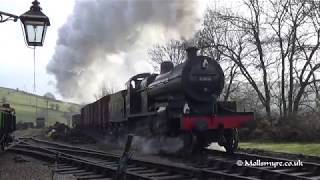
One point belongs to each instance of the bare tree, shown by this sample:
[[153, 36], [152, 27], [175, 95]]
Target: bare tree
[[237, 38], [104, 91], [275, 35], [214, 33], [296, 26], [173, 51], [232, 85]]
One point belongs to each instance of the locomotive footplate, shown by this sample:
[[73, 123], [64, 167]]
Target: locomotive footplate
[[223, 125], [227, 121]]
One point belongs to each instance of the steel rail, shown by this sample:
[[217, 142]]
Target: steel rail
[[138, 169], [223, 163]]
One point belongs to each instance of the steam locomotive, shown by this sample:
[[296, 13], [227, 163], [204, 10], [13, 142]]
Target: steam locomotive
[[7, 124], [181, 101]]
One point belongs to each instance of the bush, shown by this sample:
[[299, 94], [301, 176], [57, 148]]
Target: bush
[[301, 128], [256, 130]]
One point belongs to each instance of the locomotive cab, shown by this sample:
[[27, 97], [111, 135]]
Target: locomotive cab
[[133, 97]]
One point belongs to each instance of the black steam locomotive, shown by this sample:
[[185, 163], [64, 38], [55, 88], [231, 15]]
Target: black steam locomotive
[[7, 124], [181, 101]]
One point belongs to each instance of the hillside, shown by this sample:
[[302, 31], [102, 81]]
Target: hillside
[[29, 106]]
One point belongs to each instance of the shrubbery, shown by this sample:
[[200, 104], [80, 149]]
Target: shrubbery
[[302, 128]]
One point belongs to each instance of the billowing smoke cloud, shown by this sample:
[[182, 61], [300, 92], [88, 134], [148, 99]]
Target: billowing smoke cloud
[[105, 41]]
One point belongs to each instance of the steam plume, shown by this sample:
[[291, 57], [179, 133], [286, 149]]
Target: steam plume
[[105, 41]]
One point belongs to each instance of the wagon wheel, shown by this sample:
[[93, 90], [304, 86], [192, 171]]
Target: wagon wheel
[[232, 140]]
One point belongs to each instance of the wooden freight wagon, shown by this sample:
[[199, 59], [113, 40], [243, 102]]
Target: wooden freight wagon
[[96, 115], [117, 107], [88, 116], [81, 122], [85, 116], [105, 112]]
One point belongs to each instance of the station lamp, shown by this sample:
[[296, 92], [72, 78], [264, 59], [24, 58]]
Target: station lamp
[[34, 21], [35, 25]]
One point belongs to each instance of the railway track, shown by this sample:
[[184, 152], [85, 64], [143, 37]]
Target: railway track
[[257, 165], [91, 164]]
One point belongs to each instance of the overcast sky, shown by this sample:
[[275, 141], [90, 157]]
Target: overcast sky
[[16, 59]]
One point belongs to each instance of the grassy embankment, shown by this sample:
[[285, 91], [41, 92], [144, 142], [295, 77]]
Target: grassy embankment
[[295, 148], [25, 105]]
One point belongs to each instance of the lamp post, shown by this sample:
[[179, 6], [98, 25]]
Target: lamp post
[[35, 24]]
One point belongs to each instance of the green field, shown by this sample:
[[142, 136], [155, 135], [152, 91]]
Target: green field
[[29, 106], [295, 148]]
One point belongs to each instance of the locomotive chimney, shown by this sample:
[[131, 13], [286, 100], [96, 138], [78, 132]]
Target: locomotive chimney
[[165, 67], [191, 53]]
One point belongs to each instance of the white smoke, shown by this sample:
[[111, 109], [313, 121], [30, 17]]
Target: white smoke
[[153, 145], [105, 41]]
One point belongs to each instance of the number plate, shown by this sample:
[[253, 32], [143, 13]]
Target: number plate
[[205, 78]]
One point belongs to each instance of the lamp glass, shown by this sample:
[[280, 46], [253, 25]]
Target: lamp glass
[[35, 31]]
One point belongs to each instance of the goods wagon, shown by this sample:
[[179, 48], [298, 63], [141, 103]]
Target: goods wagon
[[95, 115]]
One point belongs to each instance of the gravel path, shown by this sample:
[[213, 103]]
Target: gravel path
[[29, 133], [18, 167]]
